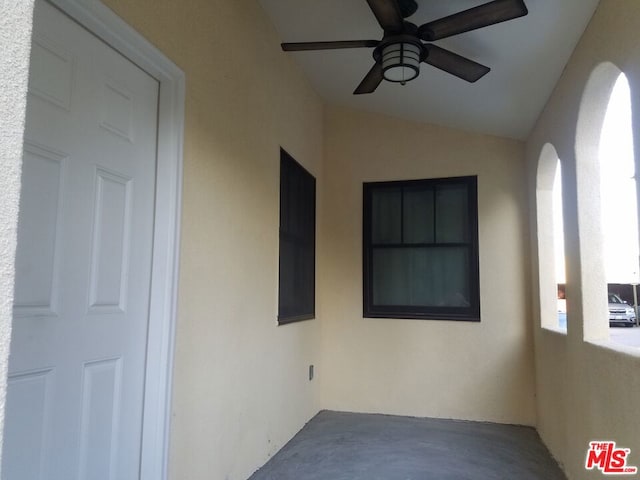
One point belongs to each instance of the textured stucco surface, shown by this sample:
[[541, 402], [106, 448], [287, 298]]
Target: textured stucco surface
[[464, 370], [585, 391], [241, 387], [15, 42]]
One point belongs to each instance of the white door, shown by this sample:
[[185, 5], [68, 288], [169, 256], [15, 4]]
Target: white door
[[83, 265]]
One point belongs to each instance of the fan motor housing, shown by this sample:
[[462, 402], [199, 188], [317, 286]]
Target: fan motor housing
[[407, 7]]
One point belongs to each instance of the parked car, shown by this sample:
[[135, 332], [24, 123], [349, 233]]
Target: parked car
[[620, 312]]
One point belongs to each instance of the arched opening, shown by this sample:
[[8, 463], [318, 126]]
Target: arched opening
[[619, 209], [558, 247], [606, 204], [553, 312]]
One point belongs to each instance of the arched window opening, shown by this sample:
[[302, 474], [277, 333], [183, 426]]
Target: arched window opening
[[586, 263], [558, 246], [619, 212], [552, 278]]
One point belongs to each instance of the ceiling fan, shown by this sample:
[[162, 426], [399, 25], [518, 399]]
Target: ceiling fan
[[402, 48]]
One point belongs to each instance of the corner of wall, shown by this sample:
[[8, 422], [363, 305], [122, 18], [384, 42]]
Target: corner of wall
[[15, 45]]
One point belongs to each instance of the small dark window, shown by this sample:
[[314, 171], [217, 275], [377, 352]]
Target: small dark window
[[296, 289], [420, 245]]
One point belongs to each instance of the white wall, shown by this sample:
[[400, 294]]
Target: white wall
[[15, 44], [464, 370], [586, 390]]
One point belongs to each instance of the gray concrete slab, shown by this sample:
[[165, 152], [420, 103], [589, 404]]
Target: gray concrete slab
[[625, 336], [350, 446]]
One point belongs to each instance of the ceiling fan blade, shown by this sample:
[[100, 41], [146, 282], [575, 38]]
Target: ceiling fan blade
[[301, 46], [370, 81], [388, 14], [455, 64], [472, 19]]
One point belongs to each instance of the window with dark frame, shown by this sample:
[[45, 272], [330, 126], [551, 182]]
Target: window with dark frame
[[296, 284], [420, 249]]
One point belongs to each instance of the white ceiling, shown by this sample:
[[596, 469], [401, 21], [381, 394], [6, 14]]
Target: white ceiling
[[526, 56]]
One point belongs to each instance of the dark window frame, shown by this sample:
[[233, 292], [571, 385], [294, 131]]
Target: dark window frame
[[471, 313], [303, 240]]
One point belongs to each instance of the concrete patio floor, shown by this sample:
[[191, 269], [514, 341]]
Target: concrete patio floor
[[349, 446]]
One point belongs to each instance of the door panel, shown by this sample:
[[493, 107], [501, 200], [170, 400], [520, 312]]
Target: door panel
[[83, 264], [110, 252], [36, 294], [100, 413]]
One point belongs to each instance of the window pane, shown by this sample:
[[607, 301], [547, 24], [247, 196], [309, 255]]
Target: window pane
[[385, 215], [297, 282], [287, 280], [434, 277], [390, 276], [305, 288], [452, 216], [297, 242], [285, 195], [418, 215], [298, 203]]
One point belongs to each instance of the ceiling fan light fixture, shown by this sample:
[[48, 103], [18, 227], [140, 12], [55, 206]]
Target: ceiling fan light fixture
[[401, 61], [399, 54]]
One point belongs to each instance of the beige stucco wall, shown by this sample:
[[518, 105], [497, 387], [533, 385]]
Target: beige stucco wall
[[240, 386], [477, 371], [15, 45], [585, 391]]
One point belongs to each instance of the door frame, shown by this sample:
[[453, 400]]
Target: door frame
[[105, 24]]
